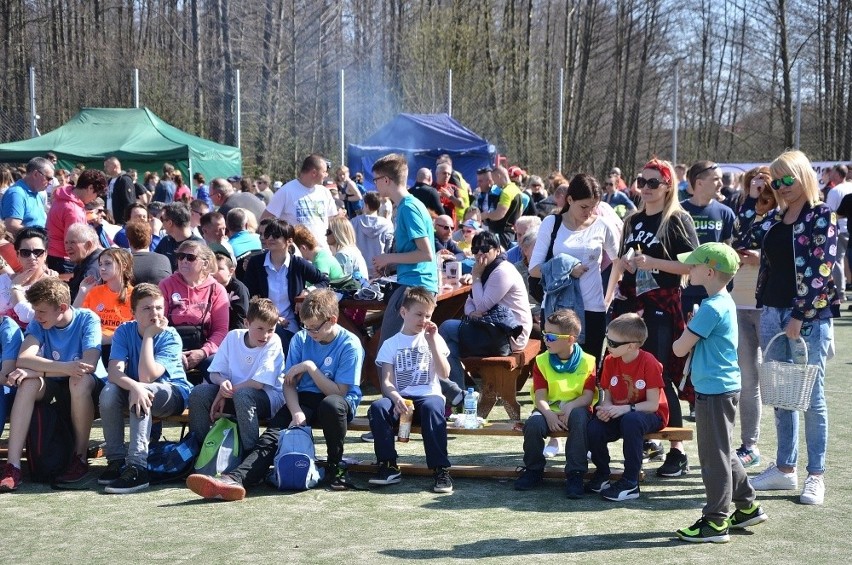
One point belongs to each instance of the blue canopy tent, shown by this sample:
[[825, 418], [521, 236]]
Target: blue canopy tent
[[422, 138]]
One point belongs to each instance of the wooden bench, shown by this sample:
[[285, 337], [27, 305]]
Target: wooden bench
[[503, 377]]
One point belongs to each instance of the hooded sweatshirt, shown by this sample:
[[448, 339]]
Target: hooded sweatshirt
[[185, 306], [374, 236], [65, 210]]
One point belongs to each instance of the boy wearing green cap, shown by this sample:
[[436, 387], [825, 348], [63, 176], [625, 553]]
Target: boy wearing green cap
[[712, 333]]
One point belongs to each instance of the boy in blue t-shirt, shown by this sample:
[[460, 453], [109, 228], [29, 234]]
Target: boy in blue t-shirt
[[412, 362], [146, 375], [11, 338], [322, 374], [60, 360], [716, 377]]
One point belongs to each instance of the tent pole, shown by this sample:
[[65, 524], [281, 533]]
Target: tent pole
[[450, 92], [342, 116], [34, 117], [135, 88], [237, 125], [560, 119]]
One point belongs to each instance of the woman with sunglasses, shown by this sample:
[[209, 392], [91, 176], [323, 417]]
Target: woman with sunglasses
[[756, 187], [69, 207], [281, 276], [31, 247], [578, 232], [648, 276], [197, 306], [495, 281], [795, 288]]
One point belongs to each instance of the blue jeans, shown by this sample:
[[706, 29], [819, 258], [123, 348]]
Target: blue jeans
[[7, 395], [449, 330], [816, 334]]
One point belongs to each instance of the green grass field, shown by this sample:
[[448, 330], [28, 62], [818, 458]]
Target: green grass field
[[484, 520]]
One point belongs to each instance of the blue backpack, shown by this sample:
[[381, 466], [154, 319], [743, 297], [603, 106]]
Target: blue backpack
[[170, 461], [294, 467]]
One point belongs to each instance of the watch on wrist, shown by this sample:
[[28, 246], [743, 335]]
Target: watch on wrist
[[633, 408]]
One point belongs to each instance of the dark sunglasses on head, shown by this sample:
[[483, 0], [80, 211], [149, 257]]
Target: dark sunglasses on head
[[615, 344], [27, 253], [481, 249], [186, 257], [786, 180], [653, 184]]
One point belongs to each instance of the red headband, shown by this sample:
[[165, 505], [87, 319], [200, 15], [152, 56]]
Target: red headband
[[661, 168]]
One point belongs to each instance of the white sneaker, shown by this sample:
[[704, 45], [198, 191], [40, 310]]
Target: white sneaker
[[814, 490], [773, 479], [552, 449]]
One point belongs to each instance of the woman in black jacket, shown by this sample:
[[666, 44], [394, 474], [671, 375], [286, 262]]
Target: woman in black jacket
[[281, 276]]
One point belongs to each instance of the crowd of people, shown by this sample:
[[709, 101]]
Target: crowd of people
[[223, 298]]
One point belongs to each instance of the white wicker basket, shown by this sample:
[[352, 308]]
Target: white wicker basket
[[786, 385]]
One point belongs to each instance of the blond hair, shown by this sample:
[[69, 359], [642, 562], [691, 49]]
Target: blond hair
[[796, 164]]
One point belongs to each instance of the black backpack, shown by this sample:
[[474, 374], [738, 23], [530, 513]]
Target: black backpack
[[50, 443]]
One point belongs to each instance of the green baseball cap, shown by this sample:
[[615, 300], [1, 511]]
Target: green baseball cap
[[718, 256]]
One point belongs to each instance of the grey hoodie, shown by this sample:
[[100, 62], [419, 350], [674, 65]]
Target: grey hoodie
[[374, 236]]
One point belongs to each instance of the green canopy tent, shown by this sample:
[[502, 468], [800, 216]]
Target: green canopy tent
[[136, 136]]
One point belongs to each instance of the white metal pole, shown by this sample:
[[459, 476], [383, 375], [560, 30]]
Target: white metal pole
[[237, 124], [559, 119], [450, 91], [676, 112], [33, 115], [798, 136], [342, 116], [135, 88]]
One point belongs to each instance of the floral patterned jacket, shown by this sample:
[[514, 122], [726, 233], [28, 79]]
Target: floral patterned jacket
[[814, 248]]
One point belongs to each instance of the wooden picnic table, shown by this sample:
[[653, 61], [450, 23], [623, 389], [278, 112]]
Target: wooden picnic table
[[450, 306]]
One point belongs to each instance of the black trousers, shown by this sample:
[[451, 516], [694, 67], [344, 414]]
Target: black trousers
[[331, 413]]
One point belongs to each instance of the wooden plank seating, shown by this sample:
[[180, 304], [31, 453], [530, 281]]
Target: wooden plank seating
[[502, 377]]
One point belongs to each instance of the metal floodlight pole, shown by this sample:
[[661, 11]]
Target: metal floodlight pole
[[135, 88], [560, 119], [237, 123], [676, 111], [798, 135], [450, 91], [342, 115], [33, 115]]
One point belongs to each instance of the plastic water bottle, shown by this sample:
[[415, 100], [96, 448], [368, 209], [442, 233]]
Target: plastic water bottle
[[471, 403]]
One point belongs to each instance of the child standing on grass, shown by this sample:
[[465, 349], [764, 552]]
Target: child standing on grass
[[412, 362], [716, 377], [634, 405], [564, 385]]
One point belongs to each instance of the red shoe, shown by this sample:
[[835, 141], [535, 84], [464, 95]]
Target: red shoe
[[76, 471], [10, 479], [224, 488]]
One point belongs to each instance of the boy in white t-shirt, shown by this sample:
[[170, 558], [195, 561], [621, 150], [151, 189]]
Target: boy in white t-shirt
[[245, 377], [411, 363]]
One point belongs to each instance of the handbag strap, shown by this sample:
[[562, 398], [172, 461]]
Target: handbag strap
[[207, 309], [557, 222]]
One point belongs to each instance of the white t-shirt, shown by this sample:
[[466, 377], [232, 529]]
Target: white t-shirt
[[298, 204], [587, 246], [835, 196], [413, 366], [238, 363]]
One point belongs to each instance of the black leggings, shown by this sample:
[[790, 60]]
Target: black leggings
[[659, 344], [595, 331]]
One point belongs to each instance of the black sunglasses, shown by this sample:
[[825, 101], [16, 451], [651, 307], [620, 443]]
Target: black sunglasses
[[27, 253], [615, 344], [186, 257], [481, 249], [653, 184]]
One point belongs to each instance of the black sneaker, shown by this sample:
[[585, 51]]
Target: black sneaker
[[389, 474], [652, 449], [338, 477], [621, 490], [744, 518], [574, 485], [691, 416], [529, 479], [443, 482], [132, 479], [112, 472], [704, 531], [598, 482], [676, 464]]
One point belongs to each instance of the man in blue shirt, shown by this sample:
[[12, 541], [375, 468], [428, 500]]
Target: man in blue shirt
[[322, 375], [242, 241], [22, 205]]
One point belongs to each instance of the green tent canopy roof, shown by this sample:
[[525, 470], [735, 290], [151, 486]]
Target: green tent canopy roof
[[136, 136]]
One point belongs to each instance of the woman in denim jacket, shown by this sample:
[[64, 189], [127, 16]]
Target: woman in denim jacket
[[798, 244]]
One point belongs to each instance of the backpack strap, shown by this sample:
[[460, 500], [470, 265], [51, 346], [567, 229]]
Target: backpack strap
[[556, 225]]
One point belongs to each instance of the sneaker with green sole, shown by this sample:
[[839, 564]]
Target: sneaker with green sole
[[705, 531], [747, 517]]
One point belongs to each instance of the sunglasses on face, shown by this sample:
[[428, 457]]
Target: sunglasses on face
[[550, 337], [186, 257], [786, 180], [615, 344], [653, 184], [442, 226], [27, 253], [481, 249]]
